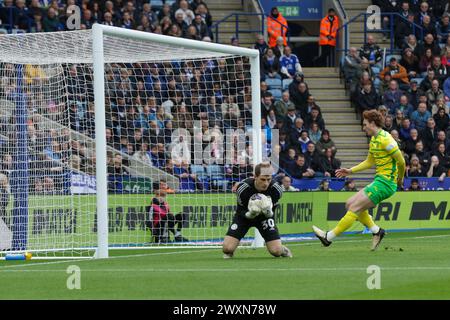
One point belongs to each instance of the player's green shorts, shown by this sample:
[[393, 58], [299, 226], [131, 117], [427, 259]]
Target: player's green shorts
[[380, 189]]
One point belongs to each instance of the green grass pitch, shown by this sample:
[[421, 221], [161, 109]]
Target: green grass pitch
[[414, 265]]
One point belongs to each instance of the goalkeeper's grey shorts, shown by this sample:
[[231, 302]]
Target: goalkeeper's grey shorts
[[266, 226]]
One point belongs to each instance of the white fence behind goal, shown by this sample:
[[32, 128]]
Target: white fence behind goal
[[86, 165]]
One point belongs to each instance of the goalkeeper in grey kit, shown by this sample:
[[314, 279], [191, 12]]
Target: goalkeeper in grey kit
[[256, 199]]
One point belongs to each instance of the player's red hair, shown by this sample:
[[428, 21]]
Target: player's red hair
[[374, 116]]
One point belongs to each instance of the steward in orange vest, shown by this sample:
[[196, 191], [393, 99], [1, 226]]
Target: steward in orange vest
[[328, 29], [275, 29]]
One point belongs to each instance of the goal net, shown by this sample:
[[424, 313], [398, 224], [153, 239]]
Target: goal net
[[112, 138]]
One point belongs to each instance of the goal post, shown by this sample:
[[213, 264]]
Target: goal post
[[74, 200]]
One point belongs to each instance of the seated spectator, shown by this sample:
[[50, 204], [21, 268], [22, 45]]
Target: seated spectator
[[440, 71], [424, 156], [188, 180], [296, 130], [367, 98], [413, 93], [398, 119], [436, 169], [286, 184], [443, 28], [397, 72], [389, 123], [428, 27], [51, 22], [201, 27], [428, 43], [325, 142], [420, 117], [411, 63], [271, 65], [314, 132], [329, 164], [301, 143], [414, 185], [425, 85], [445, 58], [409, 145], [349, 185], [290, 118], [438, 105], [434, 93], [441, 138], [425, 61], [371, 51], [261, 45], [312, 156], [290, 65], [363, 74], [299, 94], [404, 106], [442, 119], [310, 105], [391, 97], [412, 44], [116, 168], [266, 104], [278, 49], [352, 62], [202, 8], [300, 169], [404, 29], [395, 135], [447, 89], [384, 84], [429, 134], [288, 159], [415, 168], [281, 106], [314, 116], [405, 129], [443, 156]]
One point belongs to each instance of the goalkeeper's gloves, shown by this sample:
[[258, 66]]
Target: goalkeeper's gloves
[[268, 213], [251, 214]]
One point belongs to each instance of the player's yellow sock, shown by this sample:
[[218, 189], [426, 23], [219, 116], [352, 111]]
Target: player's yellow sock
[[345, 223], [366, 219]]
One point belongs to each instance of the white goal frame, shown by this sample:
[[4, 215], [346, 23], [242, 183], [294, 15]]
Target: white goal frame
[[98, 33]]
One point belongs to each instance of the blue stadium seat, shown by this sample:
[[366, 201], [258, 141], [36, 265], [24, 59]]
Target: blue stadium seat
[[216, 176], [198, 170], [286, 83], [276, 93], [273, 83], [376, 70]]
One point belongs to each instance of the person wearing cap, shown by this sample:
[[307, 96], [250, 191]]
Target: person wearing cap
[[327, 39], [397, 72], [276, 27], [415, 168]]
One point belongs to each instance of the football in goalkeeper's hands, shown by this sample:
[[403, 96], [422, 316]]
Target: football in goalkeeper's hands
[[260, 203]]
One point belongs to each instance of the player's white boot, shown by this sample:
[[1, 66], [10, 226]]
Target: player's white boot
[[321, 235]]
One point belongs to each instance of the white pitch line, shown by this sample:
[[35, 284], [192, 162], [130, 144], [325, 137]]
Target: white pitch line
[[196, 251], [239, 270]]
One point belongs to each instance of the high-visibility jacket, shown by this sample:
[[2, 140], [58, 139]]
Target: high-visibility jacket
[[275, 29], [328, 28]]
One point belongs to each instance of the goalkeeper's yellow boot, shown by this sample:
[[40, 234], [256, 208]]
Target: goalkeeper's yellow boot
[[377, 237], [322, 236]]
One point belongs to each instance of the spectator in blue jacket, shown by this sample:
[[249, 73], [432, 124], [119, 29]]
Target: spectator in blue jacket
[[290, 65], [404, 106], [443, 28], [391, 97], [420, 116], [447, 88]]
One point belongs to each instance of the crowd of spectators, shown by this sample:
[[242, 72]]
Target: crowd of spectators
[[413, 88], [178, 18]]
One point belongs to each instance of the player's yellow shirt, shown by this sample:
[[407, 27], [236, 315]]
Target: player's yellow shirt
[[382, 147]]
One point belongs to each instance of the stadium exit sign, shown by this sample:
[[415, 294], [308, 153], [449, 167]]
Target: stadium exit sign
[[295, 9]]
